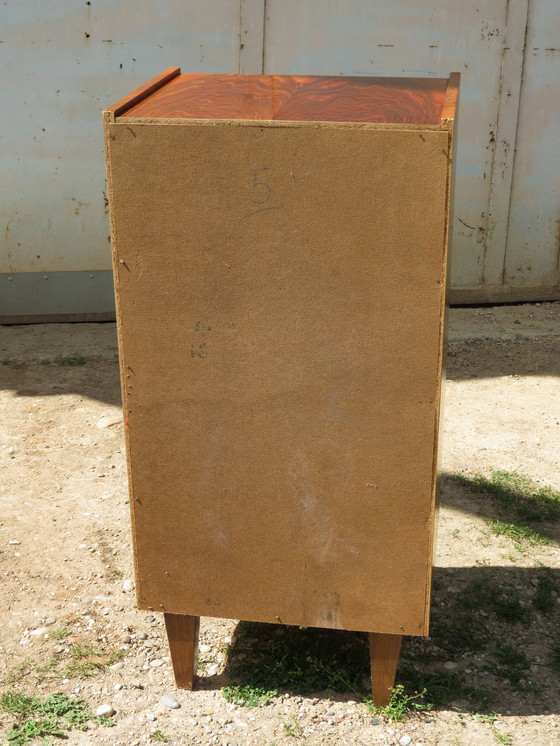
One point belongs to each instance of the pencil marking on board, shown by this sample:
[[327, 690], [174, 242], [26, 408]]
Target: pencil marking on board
[[263, 209], [262, 191], [199, 348]]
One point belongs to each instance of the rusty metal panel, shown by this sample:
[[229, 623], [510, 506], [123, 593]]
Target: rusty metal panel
[[62, 63], [534, 222]]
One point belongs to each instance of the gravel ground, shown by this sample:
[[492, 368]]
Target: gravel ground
[[70, 622]]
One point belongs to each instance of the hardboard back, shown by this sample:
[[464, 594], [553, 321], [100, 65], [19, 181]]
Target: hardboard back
[[280, 296]]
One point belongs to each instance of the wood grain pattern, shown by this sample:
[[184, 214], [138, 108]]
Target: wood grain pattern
[[143, 91], [384, 655], [182, 635], [297, 98]]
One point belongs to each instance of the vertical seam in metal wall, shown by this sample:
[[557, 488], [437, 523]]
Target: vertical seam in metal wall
[[263, 37], [251, 44], [240, 37], [521, 76], [494, 270]]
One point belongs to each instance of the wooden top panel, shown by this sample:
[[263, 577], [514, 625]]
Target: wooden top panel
[[297, 98]]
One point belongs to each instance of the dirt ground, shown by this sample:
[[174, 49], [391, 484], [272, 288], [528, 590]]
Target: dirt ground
[[66, 556]]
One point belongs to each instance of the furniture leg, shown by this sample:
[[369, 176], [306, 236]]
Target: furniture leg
[[182, 635], [384, 656]]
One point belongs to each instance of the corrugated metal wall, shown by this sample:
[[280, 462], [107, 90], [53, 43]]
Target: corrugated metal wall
[[63, 62]]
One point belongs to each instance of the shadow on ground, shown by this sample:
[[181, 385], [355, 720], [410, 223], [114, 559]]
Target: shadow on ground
[[98, 375], [494, 647]]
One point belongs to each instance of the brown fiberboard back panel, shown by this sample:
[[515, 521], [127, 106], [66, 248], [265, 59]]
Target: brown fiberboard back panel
[[280, 293]]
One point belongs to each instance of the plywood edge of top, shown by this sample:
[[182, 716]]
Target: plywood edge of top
[[130, 121], [451, 99], [145, 90]]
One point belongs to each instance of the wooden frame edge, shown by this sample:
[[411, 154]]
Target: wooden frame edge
[[451, 97], [145, 90]]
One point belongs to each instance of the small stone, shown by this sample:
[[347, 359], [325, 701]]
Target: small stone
[[38, 631], [375, 721], [156, 662], [104, 711], [14, 542], [142, 636], [209, 711], [150, 716], [58, 649], [405, 740], [128, 585], [117, 666], [450, 665], [150, 619], [127, 640], [205, 648], [329, 714], [169, 701], [50, 620]]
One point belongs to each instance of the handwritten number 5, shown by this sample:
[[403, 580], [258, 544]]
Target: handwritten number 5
[[264, 189]]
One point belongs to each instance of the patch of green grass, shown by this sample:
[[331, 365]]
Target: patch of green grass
[[517, 532], [47, 668], [545, 598], [402, 704], [60, 632], [516, 492], [503, 738], [245, 695], [70, 360], [37, 719], [292, 727], [442, 688], [512, 664], [303, 660], [45, 361], [86, 661], [489, 717], [509, 608], [159, 736], [554, 660], [18, 703], [19, 671], [79, 651]]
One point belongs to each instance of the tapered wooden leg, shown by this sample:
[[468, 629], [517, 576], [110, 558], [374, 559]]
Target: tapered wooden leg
[[384, 656], [182, 635]]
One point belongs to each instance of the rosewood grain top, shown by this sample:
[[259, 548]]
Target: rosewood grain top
[[292, 98]]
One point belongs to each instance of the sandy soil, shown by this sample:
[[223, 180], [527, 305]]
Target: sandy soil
[[66, 557]]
